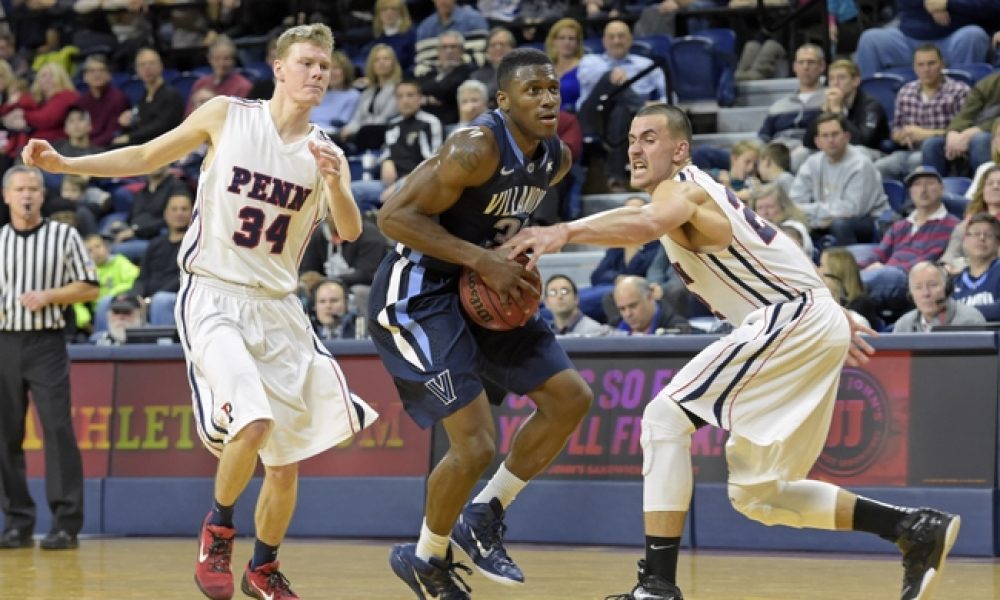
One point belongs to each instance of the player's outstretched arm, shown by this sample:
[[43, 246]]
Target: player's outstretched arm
[[201, 126], [336, 176], [673, 204]]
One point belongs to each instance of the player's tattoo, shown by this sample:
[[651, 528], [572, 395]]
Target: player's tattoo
[[466, 150]]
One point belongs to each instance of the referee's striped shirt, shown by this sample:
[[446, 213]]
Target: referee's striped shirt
[[49, 256]]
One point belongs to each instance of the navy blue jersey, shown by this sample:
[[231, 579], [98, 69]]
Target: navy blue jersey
[[489, 214]]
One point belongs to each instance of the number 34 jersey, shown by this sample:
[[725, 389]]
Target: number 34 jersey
[[258, 203], [762, 266]]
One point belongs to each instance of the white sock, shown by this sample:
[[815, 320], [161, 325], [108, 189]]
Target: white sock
[[504, 486], [431, 544]]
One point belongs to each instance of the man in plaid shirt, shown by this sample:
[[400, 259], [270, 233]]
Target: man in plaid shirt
[[923, 235], [924, 108]]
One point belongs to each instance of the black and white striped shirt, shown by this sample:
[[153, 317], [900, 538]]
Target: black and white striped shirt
[[49, 256]]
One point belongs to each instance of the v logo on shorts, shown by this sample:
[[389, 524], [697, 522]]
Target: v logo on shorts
[[442, 387]]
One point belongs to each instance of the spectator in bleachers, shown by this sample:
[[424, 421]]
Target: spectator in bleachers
[[603, 73], [563, 302], [641, 311], [994, 160], [840, 263], [440, 83], [499, 42], [330, 316], [741, 174], [986, 199], [102, 100], [866, 120], [450, 16], [924, 108], [189, 167], [412, 137], [775, 165], [391, 25], [473, 100], [660, 16], [952, 25], [115, 274], [224, 78], [123, 312], [145, 220], [53, 94], [564, 45], [159, 111], [839, 189], [14, 57], [263, 88], [771, 202], [72, 199], [78, 128], [377, 103], [836, 287], [329, 256], [979, 284], [340, 102], [922, 235], [118, 28], [967, 142], [928, 285], [159, 275], [246, 18], [788, 119], [843, 25]]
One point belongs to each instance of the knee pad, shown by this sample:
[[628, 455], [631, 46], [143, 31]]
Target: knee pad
[[666, 457], [798, 504]]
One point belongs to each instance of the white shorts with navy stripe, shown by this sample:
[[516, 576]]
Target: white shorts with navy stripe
[[772, 382], [253, 356]]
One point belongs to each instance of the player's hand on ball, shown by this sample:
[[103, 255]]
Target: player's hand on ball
[[537, 240], [509, 278]]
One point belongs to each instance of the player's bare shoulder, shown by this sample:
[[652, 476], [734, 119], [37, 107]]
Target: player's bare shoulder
[[706, 227], [469, 154]]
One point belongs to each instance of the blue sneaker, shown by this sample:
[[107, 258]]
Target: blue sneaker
[[434, 580], [479, 533]]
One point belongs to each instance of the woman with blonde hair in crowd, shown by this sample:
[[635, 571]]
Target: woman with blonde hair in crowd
[[995, 159], [985, 198], [564, 45], [771, 202], [838, 263], [377, 103], [341, 99], [391, 25], [53, 94]]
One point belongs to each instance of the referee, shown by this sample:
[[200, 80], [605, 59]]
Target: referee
[[44, 267]]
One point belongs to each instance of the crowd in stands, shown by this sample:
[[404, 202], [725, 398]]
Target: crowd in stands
[[868, 184]]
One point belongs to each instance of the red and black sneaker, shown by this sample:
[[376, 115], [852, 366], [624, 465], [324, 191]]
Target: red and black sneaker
[[267, 583], [215, 551]]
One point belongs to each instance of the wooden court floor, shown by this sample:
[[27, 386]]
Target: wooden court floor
[[126, 568]]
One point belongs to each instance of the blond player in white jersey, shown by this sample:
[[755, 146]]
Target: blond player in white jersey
[[771, 383], [262, 384]]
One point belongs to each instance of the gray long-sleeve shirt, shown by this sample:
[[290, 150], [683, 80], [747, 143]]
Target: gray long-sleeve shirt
[[851, 187]]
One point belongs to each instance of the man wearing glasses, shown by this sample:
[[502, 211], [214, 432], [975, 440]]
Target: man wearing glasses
[[567, 318]]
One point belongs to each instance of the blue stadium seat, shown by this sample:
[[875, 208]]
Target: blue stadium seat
[[257, 71], [134, 90], [976, 71], [962, 75], [724, 39], [699, 70], [957, 185], [907, 72], [883, 87], [593, 45], [896, 192], [120, 77], [955, 204], [183, 83], [658, 45], [202, 70]]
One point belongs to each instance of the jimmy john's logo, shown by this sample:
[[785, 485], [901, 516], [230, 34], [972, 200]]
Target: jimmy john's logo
[[860, 425]]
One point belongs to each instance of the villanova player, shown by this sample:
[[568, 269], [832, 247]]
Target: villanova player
[[262, 383], [455, 210], [771, 383]]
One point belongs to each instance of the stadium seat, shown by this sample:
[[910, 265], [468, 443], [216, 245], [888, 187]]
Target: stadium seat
[[883, 87], [134, 90], [593, 45], [183, 83], [863, 253], [724, 39], [957, 185], [907, 72], [955, 204], [976, 71], [257, 71], [962, 75], [701, 70], [896, 192], [659, 45]]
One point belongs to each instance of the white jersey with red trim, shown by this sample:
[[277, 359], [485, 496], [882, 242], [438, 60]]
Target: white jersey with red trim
[[258, 203], [762, 266]]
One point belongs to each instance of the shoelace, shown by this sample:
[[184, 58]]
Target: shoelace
[[220, 551], [278, 582], [453, 576]]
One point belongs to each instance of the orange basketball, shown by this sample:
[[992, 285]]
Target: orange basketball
[[484, 307]]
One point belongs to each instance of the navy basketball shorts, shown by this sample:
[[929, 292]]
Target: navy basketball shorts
[[439, 360]]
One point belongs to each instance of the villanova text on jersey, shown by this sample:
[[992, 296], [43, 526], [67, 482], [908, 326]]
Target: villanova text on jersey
[[269, 189]]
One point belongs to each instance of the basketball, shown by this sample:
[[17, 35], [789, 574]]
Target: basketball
[[484, 307]]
